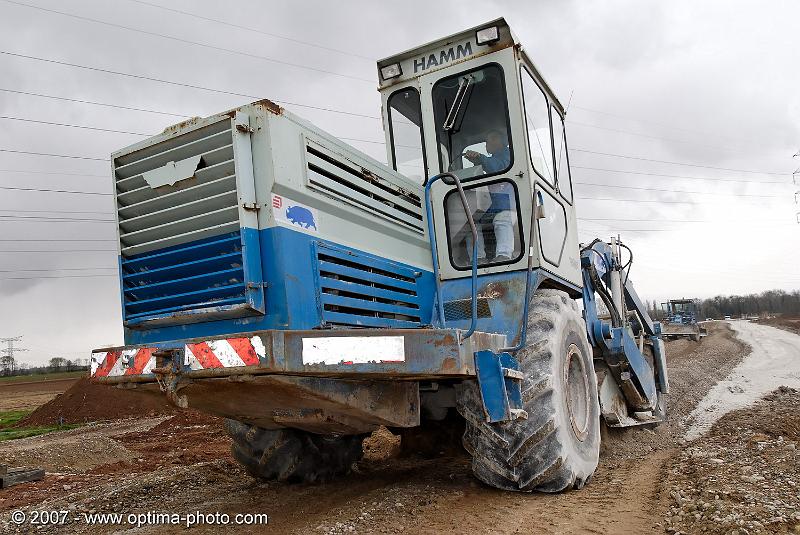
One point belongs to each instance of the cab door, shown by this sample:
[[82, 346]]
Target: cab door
[[555, 224], [474, 130]]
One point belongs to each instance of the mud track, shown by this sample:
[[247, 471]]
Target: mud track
[[183, 465]]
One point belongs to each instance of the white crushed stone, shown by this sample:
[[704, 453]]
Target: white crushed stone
[[773, 362]]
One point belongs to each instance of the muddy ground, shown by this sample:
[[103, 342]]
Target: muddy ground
[[787, 323], [649, 481], [26, 395]]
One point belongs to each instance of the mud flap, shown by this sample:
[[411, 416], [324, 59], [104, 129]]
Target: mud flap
[[499, 380]]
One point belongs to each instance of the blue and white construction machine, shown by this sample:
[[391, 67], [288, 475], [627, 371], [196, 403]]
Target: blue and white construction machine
[[680, 317], [274, 275]]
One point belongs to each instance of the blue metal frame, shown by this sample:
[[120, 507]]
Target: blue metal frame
[[616, 344], [434, 252]]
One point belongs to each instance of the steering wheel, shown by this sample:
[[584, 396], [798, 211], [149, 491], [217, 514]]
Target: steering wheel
[[454, 161]]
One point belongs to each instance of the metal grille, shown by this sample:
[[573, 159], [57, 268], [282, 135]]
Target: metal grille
[[361, 290], [180, 243], [337, 176], [461, 309]]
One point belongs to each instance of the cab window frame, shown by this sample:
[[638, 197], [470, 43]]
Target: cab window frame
[[520, 233], [425, 173], [554, 114], [507, 116]]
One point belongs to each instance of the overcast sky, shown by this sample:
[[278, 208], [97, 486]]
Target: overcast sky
[[713, 84]]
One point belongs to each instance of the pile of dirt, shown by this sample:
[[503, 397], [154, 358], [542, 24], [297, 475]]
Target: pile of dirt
[[744, 477], [187, 438], [86, 402]]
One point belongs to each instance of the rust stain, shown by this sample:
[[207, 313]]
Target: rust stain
[[175, 128], [446, 340], [449, 364], [494, 290], [270, 106]]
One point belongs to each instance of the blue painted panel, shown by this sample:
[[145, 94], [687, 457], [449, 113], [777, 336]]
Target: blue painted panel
[[369, 305], [287, 261], [329, 267], [196, 282], [623, 343], [338, 284]]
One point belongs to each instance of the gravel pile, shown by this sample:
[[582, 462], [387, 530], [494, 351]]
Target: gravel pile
[[744, 477]]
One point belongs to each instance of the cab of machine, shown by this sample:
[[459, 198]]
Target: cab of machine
[[474, 105]]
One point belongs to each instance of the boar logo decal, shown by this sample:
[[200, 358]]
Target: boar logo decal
[[301, 216]]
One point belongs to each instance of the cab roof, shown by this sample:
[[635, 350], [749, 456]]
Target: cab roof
[[506, 39]]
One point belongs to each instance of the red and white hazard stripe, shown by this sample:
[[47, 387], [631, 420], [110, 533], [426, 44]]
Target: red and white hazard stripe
[[228, 353], [125, 362]]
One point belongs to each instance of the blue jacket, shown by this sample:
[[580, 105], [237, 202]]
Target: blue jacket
[[501, 196], [496, 162]]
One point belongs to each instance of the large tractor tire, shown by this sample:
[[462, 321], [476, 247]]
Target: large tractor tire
[[557, 447], [291, 455]]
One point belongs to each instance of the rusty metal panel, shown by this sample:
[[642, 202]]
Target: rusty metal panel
[[426, 354]]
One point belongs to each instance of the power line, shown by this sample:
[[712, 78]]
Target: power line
[[54, 155], [657, 123], [637, 134], [190, 42], [39, 219], [14, 188], [628, 157], [56, 277], [55, 239], [632, 200], [240, 27], [26, 211], [92, 102], [622, 171], [54, 269], [180, 84], [678, 190], [51, 173], [58, 251], [671, 220], [68, 125]]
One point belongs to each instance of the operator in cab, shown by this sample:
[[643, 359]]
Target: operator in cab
[[499, 215]]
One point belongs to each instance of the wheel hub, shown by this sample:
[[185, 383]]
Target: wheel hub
[[577, 392]]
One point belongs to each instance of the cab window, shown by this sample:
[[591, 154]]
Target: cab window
[[471, 117], [537, 121], [494, 207], [405, 132]]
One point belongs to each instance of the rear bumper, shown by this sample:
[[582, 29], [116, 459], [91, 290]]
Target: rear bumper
[[398, 354]]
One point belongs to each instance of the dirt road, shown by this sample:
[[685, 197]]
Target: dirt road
[[774, 361], [182, 465]]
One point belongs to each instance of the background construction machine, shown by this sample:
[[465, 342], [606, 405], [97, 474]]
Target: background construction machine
[[680, 317], [278, 277]]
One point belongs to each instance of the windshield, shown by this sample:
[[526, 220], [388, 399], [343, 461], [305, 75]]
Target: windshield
[[405, 129], [471, 117]]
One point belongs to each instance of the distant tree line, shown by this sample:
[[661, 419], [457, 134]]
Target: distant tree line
[[9, 366], [769, 302]]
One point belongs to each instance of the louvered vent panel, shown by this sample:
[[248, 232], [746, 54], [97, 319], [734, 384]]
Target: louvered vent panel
[[199, 207], [180, 243], [334, 175], [361, 290]]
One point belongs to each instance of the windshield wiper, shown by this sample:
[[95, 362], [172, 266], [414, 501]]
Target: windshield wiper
[[452, 113]]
